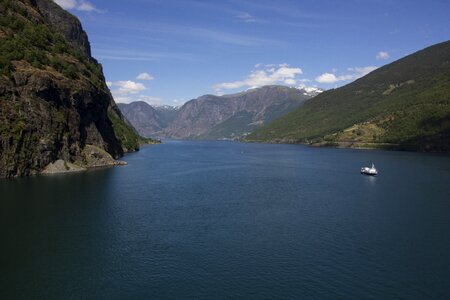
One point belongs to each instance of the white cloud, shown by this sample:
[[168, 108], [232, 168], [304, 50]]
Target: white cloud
[[245, 17], [128, 87], [86, 6], [356, 72], [81, 5], [145, 76], [178, 102], [290, 81], [122, 99], [66, 4], [362, 71], [267, 76], [327, 78], [127, 91], [382, 55], [154, 101]]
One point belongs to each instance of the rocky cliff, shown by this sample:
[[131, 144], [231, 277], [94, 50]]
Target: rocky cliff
[[54, 102]]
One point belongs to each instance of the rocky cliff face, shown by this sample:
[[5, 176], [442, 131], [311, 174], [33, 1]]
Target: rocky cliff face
[[68, 26], [218, 117], [53, 98]]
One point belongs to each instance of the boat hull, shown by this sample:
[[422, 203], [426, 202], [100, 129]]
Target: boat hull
[[369, 174]]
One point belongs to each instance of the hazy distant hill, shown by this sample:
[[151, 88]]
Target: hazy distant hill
[[148, 120], [217, 117], [403, 105]]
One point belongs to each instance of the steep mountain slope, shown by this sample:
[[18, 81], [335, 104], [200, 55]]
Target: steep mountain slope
[[231, 116], [216, 117], [54, 103], [403, 105], [149, 121]]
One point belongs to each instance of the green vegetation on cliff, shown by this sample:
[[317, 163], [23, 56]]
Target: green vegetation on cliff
[[403, 105], [128, 136], [27, 38], [53, 97]]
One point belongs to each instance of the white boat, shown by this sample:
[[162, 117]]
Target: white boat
[[369, 171]]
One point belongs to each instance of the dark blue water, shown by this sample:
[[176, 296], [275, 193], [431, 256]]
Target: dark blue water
[[230, 220]]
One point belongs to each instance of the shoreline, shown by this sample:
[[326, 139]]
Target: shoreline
[[352, 145]]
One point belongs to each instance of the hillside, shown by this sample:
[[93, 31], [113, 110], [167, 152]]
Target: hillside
[[216, 117], [55, 108], [149, 121], [402, 105]]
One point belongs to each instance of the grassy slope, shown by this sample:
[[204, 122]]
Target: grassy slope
[[232, 127], [408, 102]]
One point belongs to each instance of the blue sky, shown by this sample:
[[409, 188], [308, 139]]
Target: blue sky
[[171, 51]]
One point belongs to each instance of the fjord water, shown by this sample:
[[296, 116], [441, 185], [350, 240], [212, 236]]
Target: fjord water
[[232, 220]]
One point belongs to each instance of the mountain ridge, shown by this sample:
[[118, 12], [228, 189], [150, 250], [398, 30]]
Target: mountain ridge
[[217, 117], [403, 105]]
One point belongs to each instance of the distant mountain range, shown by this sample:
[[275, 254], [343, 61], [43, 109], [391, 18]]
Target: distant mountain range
[[403, 105], [148, 120], [217, 117]]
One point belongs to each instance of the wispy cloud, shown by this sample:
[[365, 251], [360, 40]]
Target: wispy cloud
[[362, 71], [382, 55], [145, 76], [67, 4], [285, 11], [131, 55], [231, 38], [192, 33], [178, 101], [245, 17], [81, 5]]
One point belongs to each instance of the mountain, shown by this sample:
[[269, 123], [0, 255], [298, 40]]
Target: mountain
[[402, 105], [148, 120], [55, 108], [217, 117]]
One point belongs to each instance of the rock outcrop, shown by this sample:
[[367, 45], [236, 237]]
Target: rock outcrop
[[54, 101], [69, 26]]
